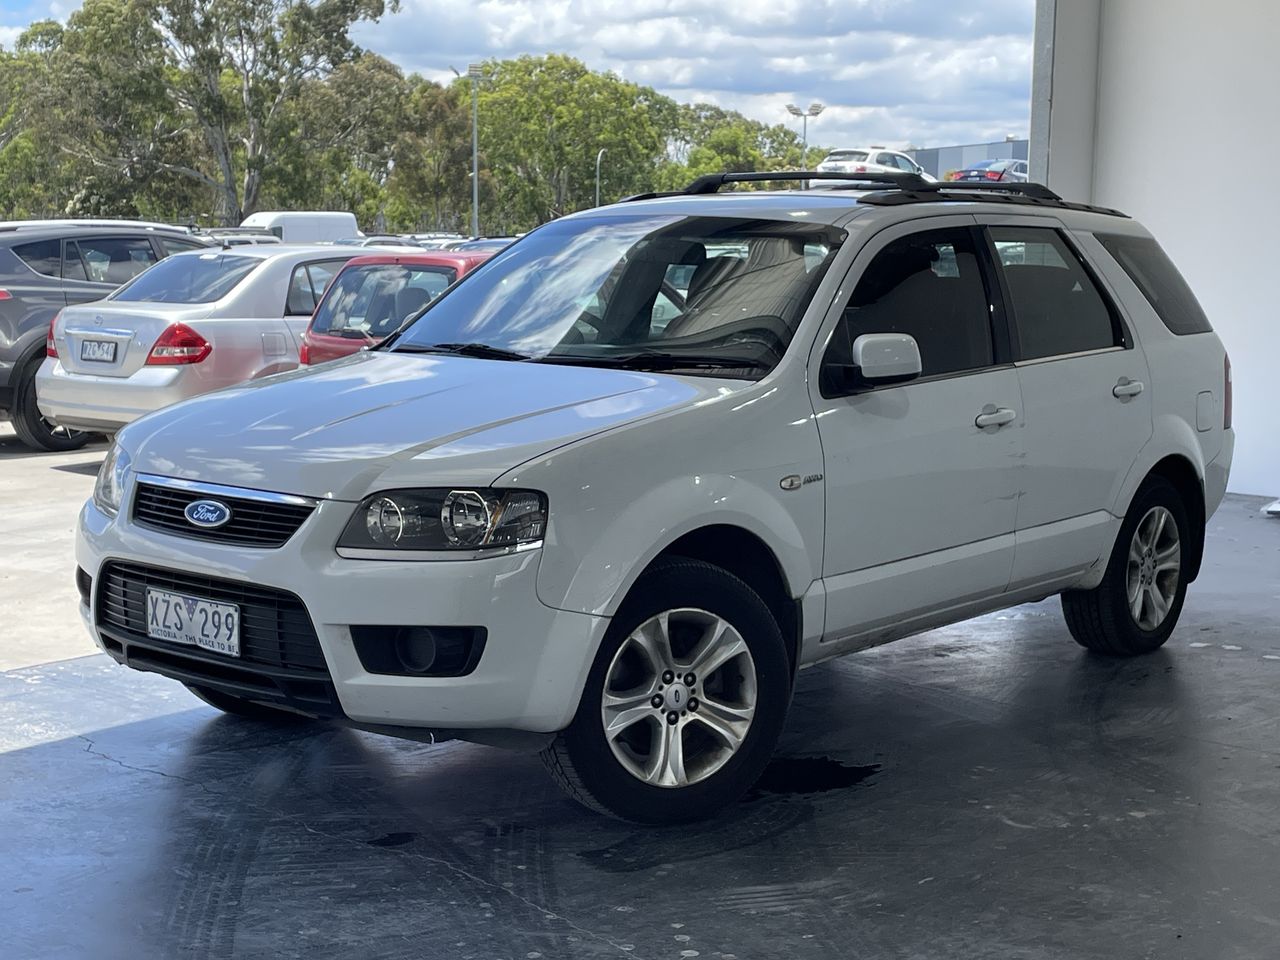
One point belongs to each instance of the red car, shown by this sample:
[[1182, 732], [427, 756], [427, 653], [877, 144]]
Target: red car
[[374, 294]]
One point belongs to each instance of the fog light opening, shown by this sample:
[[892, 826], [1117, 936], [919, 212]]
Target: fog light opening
[[416, 648]]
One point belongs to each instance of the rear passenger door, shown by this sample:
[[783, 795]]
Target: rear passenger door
[[1086, 397]]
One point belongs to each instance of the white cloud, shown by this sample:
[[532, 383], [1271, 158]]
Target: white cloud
[[929, 72]]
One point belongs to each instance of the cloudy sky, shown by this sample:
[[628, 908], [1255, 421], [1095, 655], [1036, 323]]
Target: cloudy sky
[[928, 72]]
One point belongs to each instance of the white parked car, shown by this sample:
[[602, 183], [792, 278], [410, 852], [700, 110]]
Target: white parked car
[[192, 323], [871, 160], [304, 226], [539, 516]]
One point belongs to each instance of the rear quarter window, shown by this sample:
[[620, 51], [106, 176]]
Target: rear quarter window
[[1151, 270], [42, 256]]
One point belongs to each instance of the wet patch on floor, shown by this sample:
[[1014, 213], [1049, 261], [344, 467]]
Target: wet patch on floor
[[792, 776], [392, 840]]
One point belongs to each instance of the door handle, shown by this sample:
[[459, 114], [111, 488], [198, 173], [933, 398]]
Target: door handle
[[993, 416], [1127, 388]]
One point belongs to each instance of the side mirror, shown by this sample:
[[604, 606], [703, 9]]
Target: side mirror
[[879, 359]]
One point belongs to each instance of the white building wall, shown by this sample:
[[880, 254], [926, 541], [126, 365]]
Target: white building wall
[[1183, 119]]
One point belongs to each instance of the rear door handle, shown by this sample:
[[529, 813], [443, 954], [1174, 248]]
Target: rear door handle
[[993, 416], [1127, 388]]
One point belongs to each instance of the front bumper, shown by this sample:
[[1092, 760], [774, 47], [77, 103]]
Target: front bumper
[[83, 401], [529, 678]]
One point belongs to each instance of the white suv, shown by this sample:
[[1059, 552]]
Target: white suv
[[538, 516]]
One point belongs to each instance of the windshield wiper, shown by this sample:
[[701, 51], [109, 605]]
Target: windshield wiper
[[660, 361], [481, 351]]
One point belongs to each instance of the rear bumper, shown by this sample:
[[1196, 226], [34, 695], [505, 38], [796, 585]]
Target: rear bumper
[[86, 402]]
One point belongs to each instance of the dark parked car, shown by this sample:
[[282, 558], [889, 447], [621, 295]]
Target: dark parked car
[[992, 171], [47, 265], [374, 294]]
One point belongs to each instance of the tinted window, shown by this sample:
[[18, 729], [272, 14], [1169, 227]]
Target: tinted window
[[374, 300], [189, 278], [173, 246], [928, 285], [1160, 282], [114, 260], [1056, 307], [307, 286], [586, 290], [43, 256]]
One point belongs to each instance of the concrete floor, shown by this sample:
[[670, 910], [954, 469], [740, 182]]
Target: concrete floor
[[986, 790]]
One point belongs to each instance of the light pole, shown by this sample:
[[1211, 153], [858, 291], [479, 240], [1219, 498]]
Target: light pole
[[475, 71], [599, 156], [814, 109]]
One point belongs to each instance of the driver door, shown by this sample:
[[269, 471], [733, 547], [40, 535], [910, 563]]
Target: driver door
[[921, 477]]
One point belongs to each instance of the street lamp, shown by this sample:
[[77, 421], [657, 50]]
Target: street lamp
[[475, 71], [814, 109], [599, 156]]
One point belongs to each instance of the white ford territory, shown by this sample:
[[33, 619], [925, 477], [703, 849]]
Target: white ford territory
[[605, 497]]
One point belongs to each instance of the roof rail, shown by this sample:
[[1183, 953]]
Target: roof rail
[[891, 189], [712, 182]]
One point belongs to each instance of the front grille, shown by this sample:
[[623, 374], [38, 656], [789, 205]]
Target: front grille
[[253, 523], [275, 629]]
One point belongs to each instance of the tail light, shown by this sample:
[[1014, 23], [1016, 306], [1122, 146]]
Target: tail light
[[179, 344], [994, 174], [304, 353], [51, 348], [1226, 393], [860, 168], [5, 294]]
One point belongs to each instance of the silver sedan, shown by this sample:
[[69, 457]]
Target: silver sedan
[[192, 323]]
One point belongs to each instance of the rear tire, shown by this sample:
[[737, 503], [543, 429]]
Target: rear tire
[[694, 681], [248, 709], [1135, 608], [31, 426]]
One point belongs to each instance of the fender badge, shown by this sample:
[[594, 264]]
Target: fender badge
[[795, 481]]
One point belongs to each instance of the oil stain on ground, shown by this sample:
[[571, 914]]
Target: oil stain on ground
[[793, 776]]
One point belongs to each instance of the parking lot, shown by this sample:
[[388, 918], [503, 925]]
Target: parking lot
[[985, 790]]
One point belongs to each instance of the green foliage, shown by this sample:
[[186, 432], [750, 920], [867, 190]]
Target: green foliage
[[204, 110]]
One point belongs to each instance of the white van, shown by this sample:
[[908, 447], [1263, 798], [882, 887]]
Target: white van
[[305, 226]]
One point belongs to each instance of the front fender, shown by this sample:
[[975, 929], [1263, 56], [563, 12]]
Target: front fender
[[597, 580]]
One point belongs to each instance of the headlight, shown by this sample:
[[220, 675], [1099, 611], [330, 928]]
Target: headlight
[[109, 488], [444, 519]]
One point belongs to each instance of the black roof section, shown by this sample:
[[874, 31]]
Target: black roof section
[[893, 189]]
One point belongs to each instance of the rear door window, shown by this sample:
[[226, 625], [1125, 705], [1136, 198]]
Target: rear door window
[[1056, 306], [113, 260], [1150, 268], [307, 285], [928, 285], [42, 256]]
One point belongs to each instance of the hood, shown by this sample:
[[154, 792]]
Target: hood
[[384, 419]]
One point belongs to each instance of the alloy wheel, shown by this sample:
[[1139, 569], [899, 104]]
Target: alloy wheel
[[679, 697], [1154, 568]]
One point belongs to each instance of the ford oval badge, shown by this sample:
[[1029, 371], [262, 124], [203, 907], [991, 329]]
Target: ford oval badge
[[207, 513]]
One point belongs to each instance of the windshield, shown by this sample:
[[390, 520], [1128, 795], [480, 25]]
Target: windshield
[[189, 278], [371, 301], [859, 155], [992, 165], [710, 294]]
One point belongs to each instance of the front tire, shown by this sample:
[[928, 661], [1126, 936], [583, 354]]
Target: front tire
[[684, 702], [248, 709], [1135, 608], [30, 424]]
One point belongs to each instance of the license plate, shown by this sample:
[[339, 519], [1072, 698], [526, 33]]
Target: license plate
[[189, 620], [101, 351]]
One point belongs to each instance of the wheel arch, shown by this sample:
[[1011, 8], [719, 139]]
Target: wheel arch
[[1179, 471], [742, 553]]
